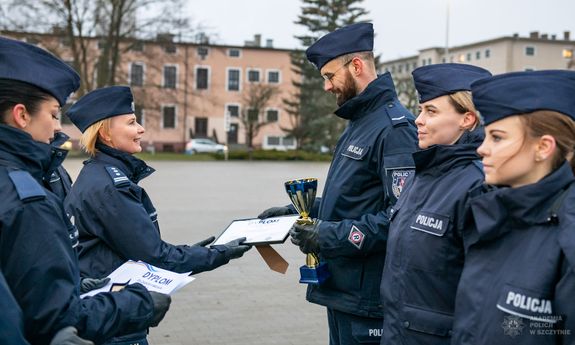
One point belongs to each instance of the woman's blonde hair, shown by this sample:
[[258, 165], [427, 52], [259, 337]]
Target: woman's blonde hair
[[91, 135], [463, 103]]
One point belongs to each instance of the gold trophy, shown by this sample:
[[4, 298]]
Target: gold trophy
[[302, 195]]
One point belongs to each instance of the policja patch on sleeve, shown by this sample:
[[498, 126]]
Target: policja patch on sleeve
[[398, 178], [356, 237]]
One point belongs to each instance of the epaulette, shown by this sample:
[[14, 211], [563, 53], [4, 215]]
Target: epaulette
[[120, 179], [27, 187], [397, 114]]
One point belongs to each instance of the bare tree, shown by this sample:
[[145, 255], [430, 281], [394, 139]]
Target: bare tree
[[407, 93], [255, 99]]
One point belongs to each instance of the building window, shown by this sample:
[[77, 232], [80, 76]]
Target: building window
[[422, 62], [139, 112], [477, 55], [468, 56], [272, 115], [235, 53], [137, 46], [274, 77], [429, 61], [487, 53], [443, 60], [137, 74], [202, 52], [169, 116], [233, 110], [201, 126], [170, 48], [170, 77], [568, 53], [530, 51], [393, 69], [274, 141], [202, 78], [399, 68], [233, 79], [414, 65], [253, 115], [253, 76]]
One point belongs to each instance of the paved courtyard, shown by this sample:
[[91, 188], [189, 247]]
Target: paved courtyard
[[243, 302]]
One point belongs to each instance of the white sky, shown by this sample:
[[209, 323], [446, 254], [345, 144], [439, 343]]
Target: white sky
[[402, 27]]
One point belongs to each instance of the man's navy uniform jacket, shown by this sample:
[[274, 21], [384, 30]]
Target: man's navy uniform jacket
[[518, 283], [11, 320], [37, 258], [425, 250], [117, 221], [370, 164]]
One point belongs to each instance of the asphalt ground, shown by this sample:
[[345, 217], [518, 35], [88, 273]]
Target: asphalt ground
[[243, 302]]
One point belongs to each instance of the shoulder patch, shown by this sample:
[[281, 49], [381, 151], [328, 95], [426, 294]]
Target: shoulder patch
[[397, 114], [27, 187], [120, 179]]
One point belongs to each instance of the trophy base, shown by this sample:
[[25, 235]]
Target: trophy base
[[314, 275]]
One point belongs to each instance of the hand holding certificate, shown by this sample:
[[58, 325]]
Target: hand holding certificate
[[258, 231], [153, 278]]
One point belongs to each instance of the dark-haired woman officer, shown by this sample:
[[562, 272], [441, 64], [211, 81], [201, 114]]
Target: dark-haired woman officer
[[425, 247], [518, 282], [36, 255]]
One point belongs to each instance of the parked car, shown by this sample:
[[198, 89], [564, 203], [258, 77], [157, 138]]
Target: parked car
[[204, 146]]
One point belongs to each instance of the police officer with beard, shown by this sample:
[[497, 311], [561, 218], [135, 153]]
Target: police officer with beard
[[370, 164], [36, 256]]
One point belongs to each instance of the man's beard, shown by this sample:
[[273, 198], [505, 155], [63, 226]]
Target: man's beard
[[348, 90]]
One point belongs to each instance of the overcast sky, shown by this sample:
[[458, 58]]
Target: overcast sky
[[402, 27]]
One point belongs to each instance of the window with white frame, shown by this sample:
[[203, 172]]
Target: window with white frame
[[139, 112], [234, 52], [530, 51], [272, 115], [233, 79], [253, 115], [169, 116], [137, 74], [273, 141], [233, 110], [170, 76], [273, 77], [202, 78], [253, 75], [487, 53]]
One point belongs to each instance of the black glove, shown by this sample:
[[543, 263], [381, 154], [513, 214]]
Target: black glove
[[233, 249], [204, 242], [161, 306], [306, 236], [275, 212], [68, 336], [89, 284]]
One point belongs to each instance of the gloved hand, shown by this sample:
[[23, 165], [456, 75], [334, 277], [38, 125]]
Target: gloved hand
[[306, 236], [68, 336], [234, 249], [275, 212], [205, 242], [161, 306], [89, 284]]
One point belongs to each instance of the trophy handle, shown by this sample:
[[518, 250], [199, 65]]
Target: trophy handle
[[311, 260]]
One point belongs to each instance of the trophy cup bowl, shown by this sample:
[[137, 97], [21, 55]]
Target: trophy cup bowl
[[302, 195]]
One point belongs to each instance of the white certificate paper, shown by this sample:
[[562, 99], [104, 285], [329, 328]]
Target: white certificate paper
[[258, 231], [153, 278]]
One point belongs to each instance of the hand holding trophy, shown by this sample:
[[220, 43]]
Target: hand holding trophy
[[302, 195]]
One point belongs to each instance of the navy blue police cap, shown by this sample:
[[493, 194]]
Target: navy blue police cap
[[27, 63], [101, 104], [349, 39], [433, 81], [520, 93]]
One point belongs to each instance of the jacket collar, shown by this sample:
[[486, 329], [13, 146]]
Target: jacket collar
[[438, 159], [379, 91], [526, 205], [23, 152], [135, 168]]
